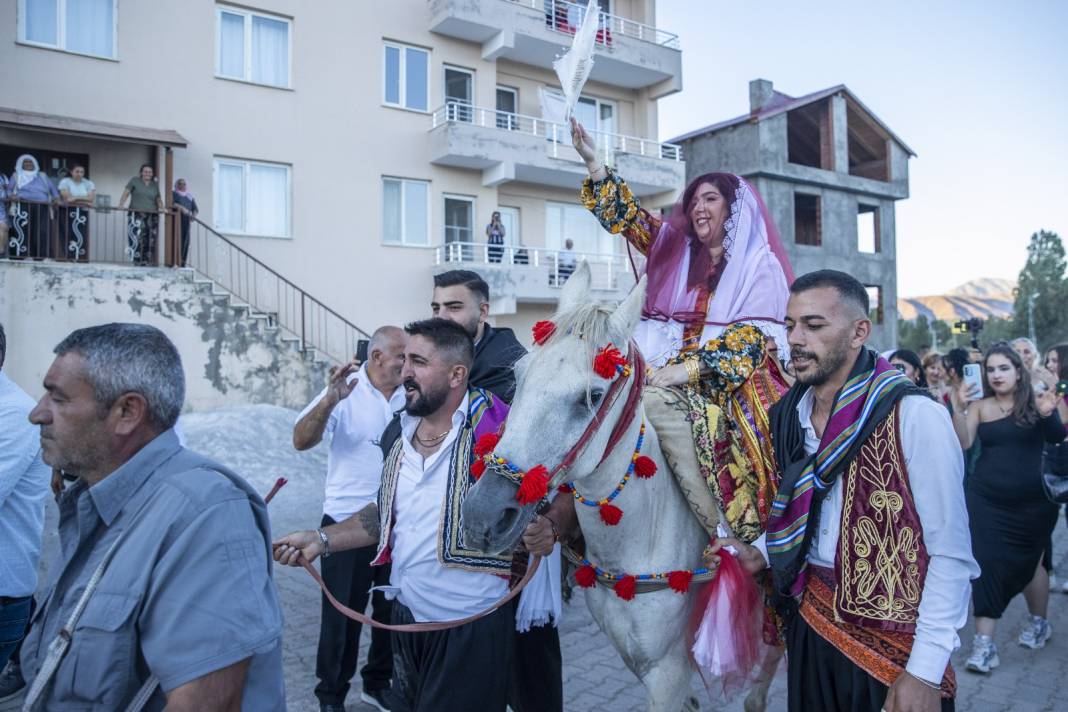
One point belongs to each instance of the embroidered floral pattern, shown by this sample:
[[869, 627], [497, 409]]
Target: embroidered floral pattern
[[619, 212]]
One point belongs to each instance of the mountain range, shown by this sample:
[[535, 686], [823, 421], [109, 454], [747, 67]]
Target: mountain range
[[984, 297]]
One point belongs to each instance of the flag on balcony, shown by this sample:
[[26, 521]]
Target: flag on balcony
[[574, 67]]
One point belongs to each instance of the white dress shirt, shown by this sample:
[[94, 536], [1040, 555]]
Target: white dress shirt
[[418, 579], [354, 465], [936, 471]]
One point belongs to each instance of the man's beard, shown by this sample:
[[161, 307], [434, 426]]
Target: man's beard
[[471, 328], [425, 402], [821, 368]]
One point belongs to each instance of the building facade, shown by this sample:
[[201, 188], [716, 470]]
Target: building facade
[[830, 173], [352, 149]]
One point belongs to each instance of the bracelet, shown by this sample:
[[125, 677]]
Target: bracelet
[[552, 525], [693, 370], [930, 684], [325, 541]]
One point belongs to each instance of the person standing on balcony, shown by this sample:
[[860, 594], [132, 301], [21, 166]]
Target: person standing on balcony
[[32, 195], [142, 221], [352, 411], [495, 237], [78, 194], [187, 208], [567, 261]]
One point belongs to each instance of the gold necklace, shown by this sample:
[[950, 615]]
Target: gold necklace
[[432, 441]]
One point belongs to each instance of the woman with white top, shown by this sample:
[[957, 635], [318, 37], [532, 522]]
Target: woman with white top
[[79, 194]]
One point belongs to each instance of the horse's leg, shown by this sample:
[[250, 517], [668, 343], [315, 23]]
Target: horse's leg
[[668, 681], [757, 699]]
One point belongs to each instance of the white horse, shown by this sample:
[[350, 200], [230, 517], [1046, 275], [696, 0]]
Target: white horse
[[556, 398]]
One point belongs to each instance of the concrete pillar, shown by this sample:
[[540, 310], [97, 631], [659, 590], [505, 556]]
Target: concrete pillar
[[760, 93], [839, 134]]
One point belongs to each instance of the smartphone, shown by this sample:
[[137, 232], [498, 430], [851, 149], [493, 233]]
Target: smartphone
[[974, 379], [1062, 388], [361, 350]]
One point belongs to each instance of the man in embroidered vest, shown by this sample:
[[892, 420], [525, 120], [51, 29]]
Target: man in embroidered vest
[[416, 524], [868, 535]]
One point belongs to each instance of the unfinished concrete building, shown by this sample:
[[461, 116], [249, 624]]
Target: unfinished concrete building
[[830, 172]]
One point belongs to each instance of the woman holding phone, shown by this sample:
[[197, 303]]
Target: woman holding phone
[[1011, 520]]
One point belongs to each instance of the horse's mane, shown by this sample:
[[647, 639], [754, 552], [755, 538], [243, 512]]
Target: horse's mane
[[587, 321]]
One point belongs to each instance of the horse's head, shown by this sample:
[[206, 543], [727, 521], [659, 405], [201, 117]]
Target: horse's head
[[557, 396]]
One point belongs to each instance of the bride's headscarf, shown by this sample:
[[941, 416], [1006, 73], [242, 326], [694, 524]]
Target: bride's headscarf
[[750, 283], [23, 176]]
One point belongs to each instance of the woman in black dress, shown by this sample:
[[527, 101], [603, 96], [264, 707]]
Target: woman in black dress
[[1011, 519]]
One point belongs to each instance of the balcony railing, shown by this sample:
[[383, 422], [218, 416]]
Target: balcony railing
[[566, 17], [606, 269], [116, 236], [558, 135]]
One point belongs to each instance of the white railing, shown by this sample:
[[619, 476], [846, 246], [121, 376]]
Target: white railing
[[558, 135], [566, 17], [606, 269]]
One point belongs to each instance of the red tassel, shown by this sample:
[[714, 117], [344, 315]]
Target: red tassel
[[624, 587], [542, 331], [478, 467], [586, 577], [679, 581], [565, 488], [604, 364], [485, 444], [611, 514], [535, 485], [644, 466]]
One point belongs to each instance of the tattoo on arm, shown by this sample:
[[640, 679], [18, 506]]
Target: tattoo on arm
[[368, 519]]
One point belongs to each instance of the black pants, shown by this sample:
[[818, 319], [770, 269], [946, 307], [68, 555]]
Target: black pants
[[30, 231], [820, 677], [535, 681], [141, 230], [455, 670], [349, 576]]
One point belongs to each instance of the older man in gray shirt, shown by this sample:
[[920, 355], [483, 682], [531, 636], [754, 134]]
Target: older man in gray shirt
[[184, 613]]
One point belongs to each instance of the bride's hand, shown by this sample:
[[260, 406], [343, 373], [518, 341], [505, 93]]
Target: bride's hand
[[672, 375], [584, 145]]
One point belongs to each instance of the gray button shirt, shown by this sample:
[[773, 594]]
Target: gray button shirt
[[189, 590]]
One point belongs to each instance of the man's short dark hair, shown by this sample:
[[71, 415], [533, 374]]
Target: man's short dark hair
[[469, 279], [845, 284], [3, 345], [131, 358], [446, 336]]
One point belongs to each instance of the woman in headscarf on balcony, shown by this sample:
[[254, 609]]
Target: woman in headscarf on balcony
[[30, 196], [717, 285]]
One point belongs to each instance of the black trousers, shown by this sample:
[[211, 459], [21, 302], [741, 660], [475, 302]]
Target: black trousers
[[456, 670], [820, 677], [535, 682], [350, 576]]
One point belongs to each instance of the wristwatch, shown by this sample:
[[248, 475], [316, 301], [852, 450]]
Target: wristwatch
[[325, 541]]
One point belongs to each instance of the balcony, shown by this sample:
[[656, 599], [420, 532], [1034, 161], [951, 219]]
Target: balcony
[[513, 147], [533, 275], [629, 54]]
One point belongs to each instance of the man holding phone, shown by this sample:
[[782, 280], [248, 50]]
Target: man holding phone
[[354, 408]]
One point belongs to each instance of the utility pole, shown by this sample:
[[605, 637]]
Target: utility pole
[[1031, 316]]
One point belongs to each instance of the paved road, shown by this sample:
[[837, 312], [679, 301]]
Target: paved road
[[255, 441]]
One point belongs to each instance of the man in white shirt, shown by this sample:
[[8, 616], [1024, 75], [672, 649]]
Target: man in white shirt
[[415, 523], [352, 411], [868, 537]]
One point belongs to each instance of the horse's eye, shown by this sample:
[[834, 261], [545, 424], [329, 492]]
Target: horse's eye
[[596, 395]]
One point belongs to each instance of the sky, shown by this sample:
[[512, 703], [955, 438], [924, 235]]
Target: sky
[[978, 89]]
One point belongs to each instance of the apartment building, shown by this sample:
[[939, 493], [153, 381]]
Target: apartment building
[[346, 149]]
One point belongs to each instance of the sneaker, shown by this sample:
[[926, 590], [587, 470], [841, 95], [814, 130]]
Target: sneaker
[[376, 699], [11, 682], [1035, 633], [984, 657]]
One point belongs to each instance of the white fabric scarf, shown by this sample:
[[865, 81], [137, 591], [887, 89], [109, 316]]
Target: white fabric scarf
[[574, 67], [23, 176], [541, 601]]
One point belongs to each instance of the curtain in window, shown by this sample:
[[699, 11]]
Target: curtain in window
[[90, 27], [416, 220], [229, 197], [41, 16], [270, 51], [231, 45], [391, 211], [268, 201], [393, 81], [416, 73]]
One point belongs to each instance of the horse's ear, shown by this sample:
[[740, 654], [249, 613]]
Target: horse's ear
[[576, 290], [625, 318]]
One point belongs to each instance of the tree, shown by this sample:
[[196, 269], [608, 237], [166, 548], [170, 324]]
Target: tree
[[1043, 277]]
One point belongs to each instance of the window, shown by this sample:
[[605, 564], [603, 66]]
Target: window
[[507, 108], [808, 136], [81, 26], [875, 303], [868, 229], [868, 146], [405, 212], [566, 221], [459, 219], [459, 92], [807, 228], [252, 198], [596, 115], [510, 221], [253, 47], [406, 75]]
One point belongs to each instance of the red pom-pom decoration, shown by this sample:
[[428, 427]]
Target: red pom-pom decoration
[[478, 467], [679, 581], [585, 576], [542, 331], [611, 514], [535, 485], [485, 444], [606, 361], [644, 466], [565, 488], [624, 588]]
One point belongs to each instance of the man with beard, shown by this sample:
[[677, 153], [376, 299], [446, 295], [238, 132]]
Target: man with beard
[[415, 524], [868, 534]]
